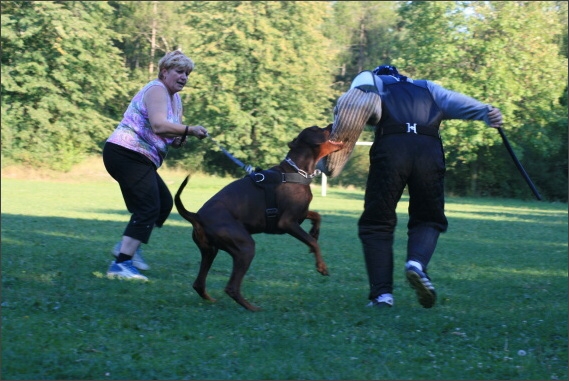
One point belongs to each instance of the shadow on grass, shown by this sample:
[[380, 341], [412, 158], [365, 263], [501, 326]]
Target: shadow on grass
[[35, 246], [27, 233], [502, 288]]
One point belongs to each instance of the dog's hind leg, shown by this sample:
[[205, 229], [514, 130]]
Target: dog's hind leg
[[242, 252], [208, 255]]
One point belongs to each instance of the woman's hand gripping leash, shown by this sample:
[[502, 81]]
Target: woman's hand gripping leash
[[198, 131]]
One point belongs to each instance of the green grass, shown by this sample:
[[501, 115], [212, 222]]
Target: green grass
[[500, 272]]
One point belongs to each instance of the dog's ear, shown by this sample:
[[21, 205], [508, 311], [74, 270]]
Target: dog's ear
[[311, 136], [293, 144], [316, 135]]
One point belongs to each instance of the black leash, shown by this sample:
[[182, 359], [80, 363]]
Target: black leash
[[247, 168]]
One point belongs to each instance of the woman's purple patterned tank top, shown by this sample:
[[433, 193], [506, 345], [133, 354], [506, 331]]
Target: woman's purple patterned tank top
[[134, 131]]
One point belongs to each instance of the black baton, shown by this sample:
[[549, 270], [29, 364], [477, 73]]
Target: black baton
[[518, 164]]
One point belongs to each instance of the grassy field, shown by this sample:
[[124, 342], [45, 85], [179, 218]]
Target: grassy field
[[500, 272]]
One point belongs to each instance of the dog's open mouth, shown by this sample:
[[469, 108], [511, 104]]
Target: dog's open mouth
[[329, 133]]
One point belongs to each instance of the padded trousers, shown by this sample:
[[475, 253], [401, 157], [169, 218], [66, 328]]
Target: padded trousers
[[397, 161]]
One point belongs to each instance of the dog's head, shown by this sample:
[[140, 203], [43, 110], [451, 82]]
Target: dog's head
[[317, 140]]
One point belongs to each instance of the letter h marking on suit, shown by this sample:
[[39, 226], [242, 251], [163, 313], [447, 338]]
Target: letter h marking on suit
[[412, 128]]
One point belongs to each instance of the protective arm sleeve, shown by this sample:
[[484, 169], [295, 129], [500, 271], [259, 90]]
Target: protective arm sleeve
[[458, 106]]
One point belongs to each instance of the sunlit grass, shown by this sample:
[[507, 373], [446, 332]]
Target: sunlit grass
[[500, 272]]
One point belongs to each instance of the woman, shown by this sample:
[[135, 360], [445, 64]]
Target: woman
[[136, 149]]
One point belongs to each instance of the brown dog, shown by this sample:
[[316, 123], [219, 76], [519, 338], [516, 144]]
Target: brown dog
[[274, 201]]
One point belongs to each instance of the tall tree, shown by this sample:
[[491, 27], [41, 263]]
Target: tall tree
[[148, 30], [498, 53], [59, 70], [262, 74], [364, 35]]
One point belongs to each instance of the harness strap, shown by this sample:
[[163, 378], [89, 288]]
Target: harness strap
[[262, 178], [272, 207], [269, 180], [296, 178]]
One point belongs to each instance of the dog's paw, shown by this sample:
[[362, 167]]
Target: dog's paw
[[322, 269]]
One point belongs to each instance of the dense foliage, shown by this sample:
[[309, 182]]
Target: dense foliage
[[60, 74], [266, 69]]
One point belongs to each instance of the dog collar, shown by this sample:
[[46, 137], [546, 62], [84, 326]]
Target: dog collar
[[300, 171]]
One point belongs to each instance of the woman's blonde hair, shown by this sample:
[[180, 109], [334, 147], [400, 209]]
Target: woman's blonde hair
[[175, 59]]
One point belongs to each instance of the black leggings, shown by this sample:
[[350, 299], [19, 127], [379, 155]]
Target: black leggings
[[145, 194]]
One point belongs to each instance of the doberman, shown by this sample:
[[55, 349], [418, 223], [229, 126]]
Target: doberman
[[273, 201]]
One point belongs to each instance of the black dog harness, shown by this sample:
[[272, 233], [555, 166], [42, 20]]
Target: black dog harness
[[269, 180]]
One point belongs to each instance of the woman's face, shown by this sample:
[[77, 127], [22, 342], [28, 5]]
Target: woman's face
[[175, 79]]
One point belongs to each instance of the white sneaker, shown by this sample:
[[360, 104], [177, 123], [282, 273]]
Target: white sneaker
[[124, 270], [137, 259], [383, 300], [421, 283]]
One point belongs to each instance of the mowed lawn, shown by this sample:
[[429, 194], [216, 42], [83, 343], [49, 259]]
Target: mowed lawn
[[500, 273]]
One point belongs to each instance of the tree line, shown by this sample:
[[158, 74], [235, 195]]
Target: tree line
[[266, 69]]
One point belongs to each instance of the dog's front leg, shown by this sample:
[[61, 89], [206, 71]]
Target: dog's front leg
[[297, 232], [315, 219]]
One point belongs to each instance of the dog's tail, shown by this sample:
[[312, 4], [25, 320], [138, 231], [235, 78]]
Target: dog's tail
[[189, 216], [199, 233]]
